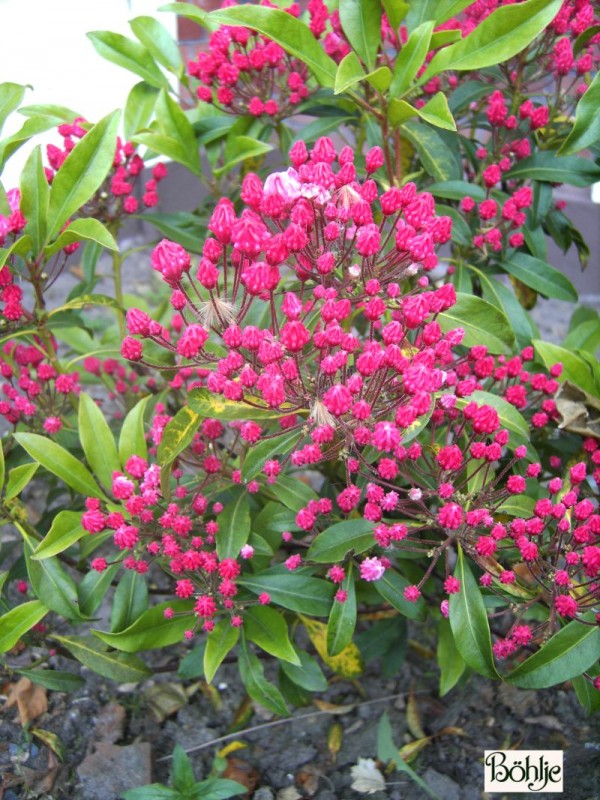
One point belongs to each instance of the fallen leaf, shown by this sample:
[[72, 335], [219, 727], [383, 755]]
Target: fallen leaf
[[366, 778], [424, 652], [412, 749], [165, 699], [413, 717], [242, 715], [334, 740], [332, 708], [30, 699], [50, 739], [546, 721], [307, 779], [289, 793], [241, 771], [231, 748]]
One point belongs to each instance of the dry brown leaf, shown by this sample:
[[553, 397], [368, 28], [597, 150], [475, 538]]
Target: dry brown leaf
[[165, 699], [241, 771], [332, 708], [30, 699], [307, 779]]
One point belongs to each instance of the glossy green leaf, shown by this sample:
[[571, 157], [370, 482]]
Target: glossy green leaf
[[540, 276], [308, 675], [502, 298], [585, 336], [450, 661], [257, 686], [174, 136], [349, 72], [178, 434], [180, 227], [18, 621], [546, 166], [437, 10], [469, 622], [240, 149], [192, 12], [292, 492], [30, 128], [575, 368], [289, 32], [456, 190], [86, 300], [18, 478], [510, 418], [361, 22], [83, 172], [51, 581], [587, 694], [267, 628], [399, 111], [294, 591], [119, 667], [59, 462], [192, 665], [130, 601], [568, 653], [410, 59], [507, 31], [139, 108], [221, 640], [388, 751], [97, 441], [65, 530], [132, 440], [152, 629], [391, 587], [130, 55], [438, 159], [437, 112], [212, 405], [81, 230], [93, 588], [11, 96], [57, 114], [276, 447], [440, 38], [159, 42], [35, 197], [234, 525], [342, 618], [586, 129], [53, 679], [335, 542], [481, 322]]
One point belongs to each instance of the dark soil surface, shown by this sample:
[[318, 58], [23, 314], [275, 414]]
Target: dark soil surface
[[112, 738]]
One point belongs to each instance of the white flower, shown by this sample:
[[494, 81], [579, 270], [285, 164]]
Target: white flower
[[366, 777]]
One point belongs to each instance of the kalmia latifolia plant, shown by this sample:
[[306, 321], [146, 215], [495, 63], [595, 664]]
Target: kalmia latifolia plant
[[331, 411]]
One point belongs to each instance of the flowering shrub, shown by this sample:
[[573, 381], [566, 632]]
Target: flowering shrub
[[334, 405]]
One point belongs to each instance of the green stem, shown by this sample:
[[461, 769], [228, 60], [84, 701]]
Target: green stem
[[117, 263]]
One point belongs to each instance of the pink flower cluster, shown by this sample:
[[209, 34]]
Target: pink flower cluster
[[246, 73]]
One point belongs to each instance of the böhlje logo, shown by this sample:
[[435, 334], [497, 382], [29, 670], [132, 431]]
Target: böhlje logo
[[523, 771]]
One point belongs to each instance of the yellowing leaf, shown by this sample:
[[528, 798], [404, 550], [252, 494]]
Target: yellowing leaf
[[347, 663], [334, 740], [231, 748], [410, 751], [413, 717]]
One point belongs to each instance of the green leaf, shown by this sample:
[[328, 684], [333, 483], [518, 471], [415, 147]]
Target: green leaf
[[56, 114], [153, 791], [50, 581], [65, 530], [502, 298], [234, 525], [18, 478], [86, 300], [349, 72], [152, 629], [83, 172], [31, 127], [35, 195], [587, 694], [437, 10], [510, 418], [469, 622], [59, 462], [449, 659], [289, 32], [399, 111], [178, 434], [276, 447], [335, 542], [410, 59], [159, 42], [571, 651], [456, 190], [239, 149], [546, 166], [130, 601], [220, 641], [387, 751], [540, 276], [308, 675], [192, 665], [438, 159], [119, 667], [437, 112], [97, 441], [259, 689], [294, 591], [391, 587], [53, 679], [18, 621], [361, 22], [267, 628], [132, 441], [79, 230], [575, 369], [506, 32], [93, 587], [139, 108], [182, 773], [198, 15], [180, 227], [586, 129], [175, 137], [481, 322], [440, 38], [130, 55], [342, 619], [215, 406], [11, 96]]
